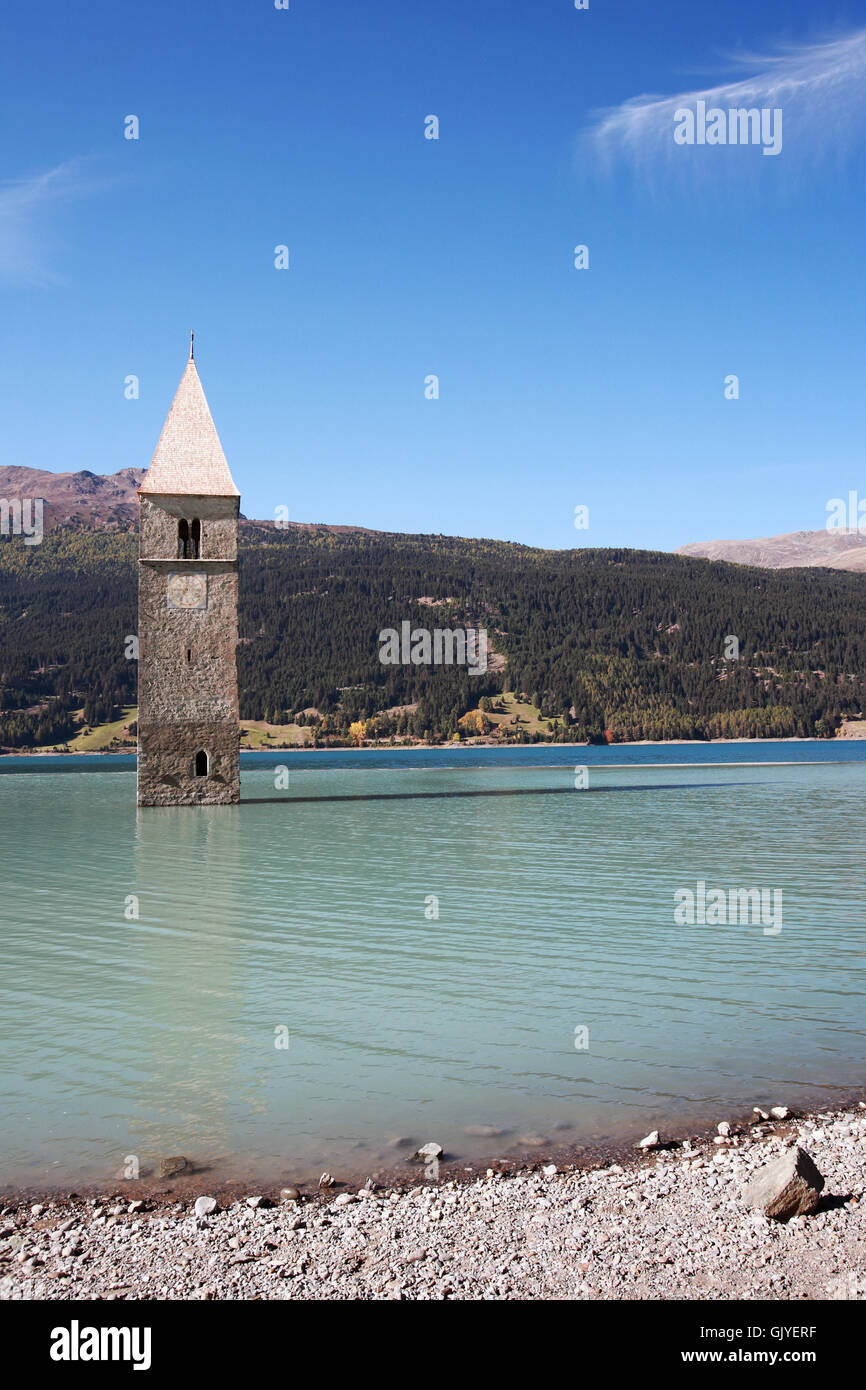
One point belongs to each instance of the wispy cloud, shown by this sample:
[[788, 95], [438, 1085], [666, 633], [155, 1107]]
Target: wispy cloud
[[27, 220], [821, 88]]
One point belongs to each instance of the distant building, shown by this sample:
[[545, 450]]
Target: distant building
[[188, 742]]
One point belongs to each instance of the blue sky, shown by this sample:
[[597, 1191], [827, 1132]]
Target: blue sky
[[411, 257]]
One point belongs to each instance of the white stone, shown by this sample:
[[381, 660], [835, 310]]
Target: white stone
[[429, 1151]]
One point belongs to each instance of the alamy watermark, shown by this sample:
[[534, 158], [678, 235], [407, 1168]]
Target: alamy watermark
[[441, 647], [737, 126], [847, 516], [22, 517], [714, 907], [77, 1343]]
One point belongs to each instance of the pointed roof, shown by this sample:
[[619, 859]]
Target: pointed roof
[[189, 457]]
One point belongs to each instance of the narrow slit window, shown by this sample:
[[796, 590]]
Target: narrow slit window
[[182, 539], [194, 539]]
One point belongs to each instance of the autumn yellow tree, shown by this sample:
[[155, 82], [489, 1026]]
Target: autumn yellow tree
[[475, 722], [358, 731]]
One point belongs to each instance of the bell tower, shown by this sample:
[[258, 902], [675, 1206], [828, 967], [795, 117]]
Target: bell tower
[[188, 507]]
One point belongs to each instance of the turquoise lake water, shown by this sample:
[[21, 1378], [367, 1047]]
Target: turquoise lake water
[[314, 924]]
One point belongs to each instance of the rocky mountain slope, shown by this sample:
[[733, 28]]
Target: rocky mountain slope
[[82, 498], [838, 550]]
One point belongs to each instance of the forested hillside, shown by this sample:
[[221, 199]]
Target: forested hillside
[[608, 643]]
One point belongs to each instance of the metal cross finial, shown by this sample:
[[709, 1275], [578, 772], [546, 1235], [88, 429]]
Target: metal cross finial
[[191, 347]]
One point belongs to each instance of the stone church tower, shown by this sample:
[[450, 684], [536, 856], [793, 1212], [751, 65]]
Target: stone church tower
[[188, 742]]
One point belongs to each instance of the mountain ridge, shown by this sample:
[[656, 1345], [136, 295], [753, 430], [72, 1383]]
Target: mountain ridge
[[110, 501], [837, 549], [107, 500]]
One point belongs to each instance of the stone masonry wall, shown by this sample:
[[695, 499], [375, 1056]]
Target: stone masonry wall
[[188, 689], [159, 517], [166, 764]]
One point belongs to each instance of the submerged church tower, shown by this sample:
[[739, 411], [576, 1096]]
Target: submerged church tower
[[188, 740]]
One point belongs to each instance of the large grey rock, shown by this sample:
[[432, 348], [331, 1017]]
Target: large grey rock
[[789, 1186]]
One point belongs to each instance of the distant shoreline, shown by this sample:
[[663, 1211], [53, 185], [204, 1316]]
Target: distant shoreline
[[438, 747]]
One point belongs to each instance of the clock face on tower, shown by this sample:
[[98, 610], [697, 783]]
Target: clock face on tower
[[187, 590]]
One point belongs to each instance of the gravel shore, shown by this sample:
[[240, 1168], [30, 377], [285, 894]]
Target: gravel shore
[[669, 1224]]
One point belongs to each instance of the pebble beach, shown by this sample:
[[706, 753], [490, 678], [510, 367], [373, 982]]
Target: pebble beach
[[669, 1222]]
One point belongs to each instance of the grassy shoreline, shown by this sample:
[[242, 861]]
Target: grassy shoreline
[[440, 747]]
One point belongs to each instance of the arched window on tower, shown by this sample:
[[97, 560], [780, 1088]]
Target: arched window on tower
[[201, 767], [182, 539], [194, 538]]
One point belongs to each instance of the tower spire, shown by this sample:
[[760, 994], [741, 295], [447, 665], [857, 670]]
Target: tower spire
[[189, 458], [191, 346]]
